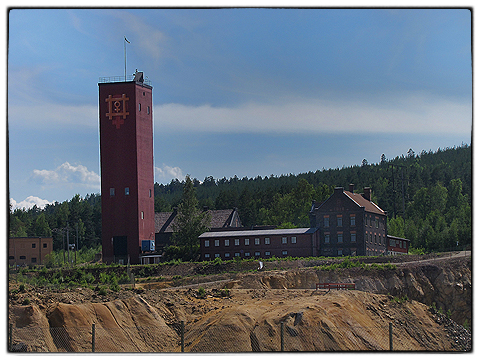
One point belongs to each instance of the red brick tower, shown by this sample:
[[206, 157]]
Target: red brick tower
[[126, 157]]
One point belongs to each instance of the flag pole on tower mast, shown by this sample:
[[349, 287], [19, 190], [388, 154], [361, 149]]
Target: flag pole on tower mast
[[125, 54]]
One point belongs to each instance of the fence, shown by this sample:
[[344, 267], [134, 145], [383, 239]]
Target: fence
[[283, 336], [335, 286]]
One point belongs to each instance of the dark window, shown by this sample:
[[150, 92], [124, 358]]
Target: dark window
[[34, 246], [22, 257], [34, 260], [44, 245]]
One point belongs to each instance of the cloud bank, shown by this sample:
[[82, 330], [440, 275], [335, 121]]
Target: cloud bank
[[29, 202], [67, 175], [415, 113], [167, 173]]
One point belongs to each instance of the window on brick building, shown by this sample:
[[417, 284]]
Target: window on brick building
[[327, 238]]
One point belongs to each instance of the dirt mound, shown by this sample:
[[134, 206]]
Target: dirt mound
[[246, 320], [118, 327], [258, 310]]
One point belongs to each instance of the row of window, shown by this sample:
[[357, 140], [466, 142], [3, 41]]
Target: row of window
[[398, 243], [326, 221], [34, 245], [375, 239], [245, 254], [246, 242], [372, 238], [368, 220], [140, 108], [353, 238], [127, 192], [22, 257]]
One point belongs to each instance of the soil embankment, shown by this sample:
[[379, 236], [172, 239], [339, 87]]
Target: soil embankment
[[248, 317]]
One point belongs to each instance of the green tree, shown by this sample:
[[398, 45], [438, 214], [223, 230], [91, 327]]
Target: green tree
[[41, 227], [190, 222]]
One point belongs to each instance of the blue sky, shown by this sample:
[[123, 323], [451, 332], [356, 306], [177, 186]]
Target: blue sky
[[241, 92]]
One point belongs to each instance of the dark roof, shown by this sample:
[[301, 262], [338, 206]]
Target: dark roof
[[397, 238], [219, 219], [358, 199], [370, 206], [267, 232]]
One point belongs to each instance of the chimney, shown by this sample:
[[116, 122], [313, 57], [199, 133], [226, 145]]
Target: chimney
[[338, 190], [366, 193], [351, 187]]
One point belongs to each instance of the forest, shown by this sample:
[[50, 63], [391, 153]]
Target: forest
[[428, 197]]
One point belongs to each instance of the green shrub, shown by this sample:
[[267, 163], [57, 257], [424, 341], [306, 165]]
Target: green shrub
[[102, 290], [201, 293]]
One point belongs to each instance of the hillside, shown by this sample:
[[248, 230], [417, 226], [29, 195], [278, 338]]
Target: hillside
[[247, 314], [437, 188]]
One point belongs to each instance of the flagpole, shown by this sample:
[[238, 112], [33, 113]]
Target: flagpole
[[125, 54]]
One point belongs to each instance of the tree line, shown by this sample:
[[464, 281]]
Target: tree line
[[428, 198]]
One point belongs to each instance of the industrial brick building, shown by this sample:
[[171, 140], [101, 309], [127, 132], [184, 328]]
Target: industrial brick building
[[263, 243], [126, 156], [397, 245], [350, 224], [219, 220], [29, 250]]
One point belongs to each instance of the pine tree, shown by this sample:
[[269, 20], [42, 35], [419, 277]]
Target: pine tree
[[190, 222]]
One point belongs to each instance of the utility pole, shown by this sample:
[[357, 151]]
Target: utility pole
[[76, 246], [68, 248]]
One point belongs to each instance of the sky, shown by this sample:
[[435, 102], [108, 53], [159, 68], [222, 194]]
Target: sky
[[246, 92]]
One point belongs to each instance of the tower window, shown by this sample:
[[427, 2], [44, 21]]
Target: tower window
[[148, 110], [139, 107], [112, 191], [127, 191], [142, 215], [149, 192]]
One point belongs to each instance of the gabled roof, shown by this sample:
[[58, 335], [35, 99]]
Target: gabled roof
[[358, 199], [370, 206], [219, 219]]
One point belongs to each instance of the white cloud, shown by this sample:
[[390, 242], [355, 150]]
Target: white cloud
[[67, 175], [29, 202], [414, 113], [51, 114], [167, 173]]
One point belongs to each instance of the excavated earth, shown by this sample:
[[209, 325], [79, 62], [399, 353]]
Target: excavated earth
[[257, 311]]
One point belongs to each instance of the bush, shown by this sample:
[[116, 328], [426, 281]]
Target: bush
[[201, 293], [102, 290]]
